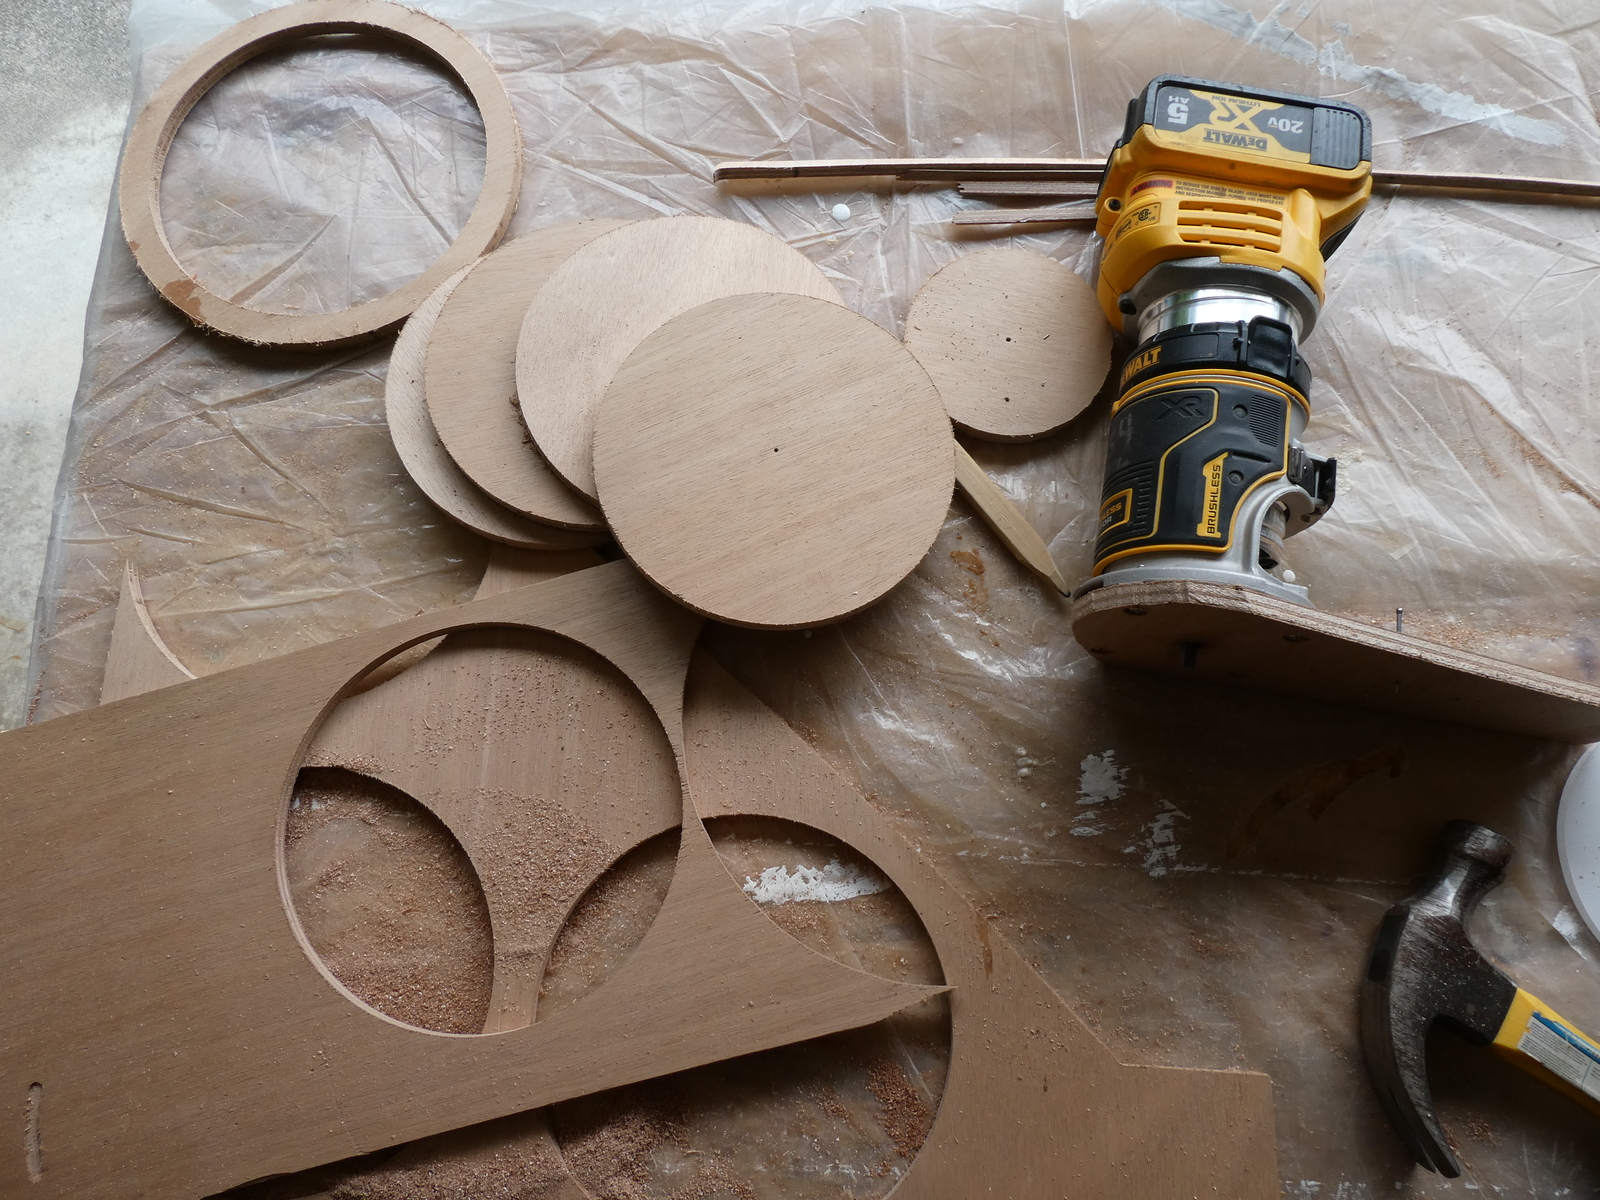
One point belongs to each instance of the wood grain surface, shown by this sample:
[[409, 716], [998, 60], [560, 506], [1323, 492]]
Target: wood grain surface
[[774, 461], [1243, 638], [1001, 514], [1014, 341], [610, 295], [423, 453], [182, 1033], [471, 375], [145, 154]]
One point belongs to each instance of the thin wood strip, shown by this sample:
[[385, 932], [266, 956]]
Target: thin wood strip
[[425, 457], [1240, 637], [139, 190], [1029, 187], [993, 169], [1060, 214], [1001, 514]]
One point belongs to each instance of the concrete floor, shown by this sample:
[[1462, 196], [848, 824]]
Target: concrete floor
[[64, 93]]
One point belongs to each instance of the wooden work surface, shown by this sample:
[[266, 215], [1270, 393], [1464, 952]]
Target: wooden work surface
[[1237, 636]]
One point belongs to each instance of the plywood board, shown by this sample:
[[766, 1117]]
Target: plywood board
[[182, 1036], [1035, 1107], [1014, 341], [145, 154], [138, 660], [423, 453], [1224, 634], [471, 375], [610, 295], [774, 461]]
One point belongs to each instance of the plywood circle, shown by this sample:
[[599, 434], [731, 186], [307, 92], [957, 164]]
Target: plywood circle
[[609, 296], [139, 189], [774, 461], [471, 375], [424, 457], [1014, 341]]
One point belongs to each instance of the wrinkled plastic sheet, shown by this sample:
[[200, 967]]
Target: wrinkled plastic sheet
[[1134, 835]]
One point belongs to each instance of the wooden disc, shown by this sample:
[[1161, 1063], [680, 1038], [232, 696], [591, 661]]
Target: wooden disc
[[609, 296], [1014, 341], [774, 461], [139, 189], [424, 455], [471, 375]]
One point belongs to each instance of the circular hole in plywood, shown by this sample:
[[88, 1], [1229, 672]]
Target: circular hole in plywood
[[835, 1117], [322, 174], [389, 901]]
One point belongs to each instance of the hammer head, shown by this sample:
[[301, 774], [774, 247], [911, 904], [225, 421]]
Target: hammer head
[[1424, 969]]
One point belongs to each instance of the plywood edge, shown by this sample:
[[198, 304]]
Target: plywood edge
[[1228, 634]]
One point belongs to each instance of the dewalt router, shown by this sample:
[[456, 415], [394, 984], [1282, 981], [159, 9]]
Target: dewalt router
[[1219, 206]]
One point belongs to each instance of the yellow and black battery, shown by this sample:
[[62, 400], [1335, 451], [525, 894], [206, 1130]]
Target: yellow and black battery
[[1218, 209]]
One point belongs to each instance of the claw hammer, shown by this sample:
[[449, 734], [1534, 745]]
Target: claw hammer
[[1424, 968]]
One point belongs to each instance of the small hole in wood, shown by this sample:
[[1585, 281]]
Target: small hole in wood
[[1134, 611], [1297, 637]]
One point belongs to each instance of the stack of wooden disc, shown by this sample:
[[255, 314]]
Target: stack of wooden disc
[[697, 390]]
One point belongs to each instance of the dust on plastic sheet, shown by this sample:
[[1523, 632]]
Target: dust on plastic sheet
[[258, 495]]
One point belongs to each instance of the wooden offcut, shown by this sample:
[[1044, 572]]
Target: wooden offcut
[[138, 660], [424, 455], [471, 375], [612, 294], [1001, 514], [145, 154], [1222, 633], [774, 461], [1014, 341]]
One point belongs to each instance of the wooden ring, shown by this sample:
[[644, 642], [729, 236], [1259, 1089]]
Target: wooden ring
[[139, 190]]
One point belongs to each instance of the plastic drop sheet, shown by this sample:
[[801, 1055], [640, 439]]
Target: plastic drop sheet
[[1198, 871]]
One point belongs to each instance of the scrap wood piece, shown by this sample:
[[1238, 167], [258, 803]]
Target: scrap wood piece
[[471, 375], [1001, 514], [1014, 341], [425, 457], [1035, 1106], [774, 461], [144, 156], [139, 660], [151, 956], [1223, 633], [1081, 213], [609, 296]]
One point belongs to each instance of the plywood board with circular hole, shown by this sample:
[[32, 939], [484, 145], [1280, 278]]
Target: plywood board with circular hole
[[470, 375], [612, 294], [1014, 341], [775, 461], [424, 455]]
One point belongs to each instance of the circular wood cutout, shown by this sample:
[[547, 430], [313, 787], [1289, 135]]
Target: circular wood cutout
[[609, 296], [139, 190], [1014, 341], [424, 455], [775, 461], [471, 375]]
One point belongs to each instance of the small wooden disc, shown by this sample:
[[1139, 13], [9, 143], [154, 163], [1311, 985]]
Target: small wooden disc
[[424, 455], [1014, 341], [775, 461], [609, 296], [471, 375]]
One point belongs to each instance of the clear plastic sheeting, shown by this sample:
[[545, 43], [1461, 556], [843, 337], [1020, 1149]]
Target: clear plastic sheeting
[[1198, 871]]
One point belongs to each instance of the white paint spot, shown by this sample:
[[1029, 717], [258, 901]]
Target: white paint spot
[[841, 213], [1331, 58], [1100, 779], [833, 882], [1161, 841]]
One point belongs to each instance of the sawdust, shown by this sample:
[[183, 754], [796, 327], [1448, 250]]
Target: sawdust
[[389, 901], [906, 1118], [510, 1159]]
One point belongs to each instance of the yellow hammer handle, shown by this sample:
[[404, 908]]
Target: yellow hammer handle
[[1551, 1048], [1000, 514]]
